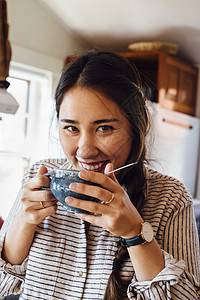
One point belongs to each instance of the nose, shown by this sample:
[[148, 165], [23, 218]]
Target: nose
[[87, 146]]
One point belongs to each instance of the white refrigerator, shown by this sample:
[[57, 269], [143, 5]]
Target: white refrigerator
[[176, 145]]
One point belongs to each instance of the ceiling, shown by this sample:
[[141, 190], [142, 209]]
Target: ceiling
[[114, 24]]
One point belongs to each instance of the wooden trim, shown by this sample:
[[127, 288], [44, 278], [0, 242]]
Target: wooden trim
[[184, 125], [181, 65], [183, 108]]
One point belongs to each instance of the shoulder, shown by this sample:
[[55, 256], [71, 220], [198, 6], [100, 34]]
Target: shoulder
[[167, 188], [50, 164]]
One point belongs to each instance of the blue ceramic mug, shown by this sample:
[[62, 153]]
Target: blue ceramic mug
[[59, 186]]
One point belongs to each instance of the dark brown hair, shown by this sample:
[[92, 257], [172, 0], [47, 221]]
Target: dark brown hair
[[117, 79]]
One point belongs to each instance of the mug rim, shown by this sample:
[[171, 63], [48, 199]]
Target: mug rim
[[62, 172], [66, 170]]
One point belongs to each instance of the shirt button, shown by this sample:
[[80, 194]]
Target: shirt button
[[80, 273], [17, 289], [91, 236]]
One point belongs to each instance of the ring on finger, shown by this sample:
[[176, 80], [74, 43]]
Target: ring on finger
[[111, 199], [42, 204]]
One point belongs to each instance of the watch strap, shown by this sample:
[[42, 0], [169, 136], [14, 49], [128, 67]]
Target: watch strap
[[134, 241]]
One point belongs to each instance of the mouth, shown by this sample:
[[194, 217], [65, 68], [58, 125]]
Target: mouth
[[95, 166]]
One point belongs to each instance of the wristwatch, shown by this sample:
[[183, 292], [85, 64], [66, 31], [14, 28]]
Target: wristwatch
[[146, 236]]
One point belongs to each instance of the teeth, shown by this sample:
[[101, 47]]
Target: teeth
[[92, 167]]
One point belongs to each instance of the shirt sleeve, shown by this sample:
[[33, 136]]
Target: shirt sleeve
[[180, 279], [12, 276], [170, 283]]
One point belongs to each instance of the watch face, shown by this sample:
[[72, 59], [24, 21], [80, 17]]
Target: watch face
[[147, 232]]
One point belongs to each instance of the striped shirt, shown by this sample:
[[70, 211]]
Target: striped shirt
[[66, 263]]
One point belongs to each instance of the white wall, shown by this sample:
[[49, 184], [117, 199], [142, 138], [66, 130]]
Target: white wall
[[36, 37], [198, 94], [198, 115]]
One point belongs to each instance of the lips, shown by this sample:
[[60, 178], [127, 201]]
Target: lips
[[96, 166]]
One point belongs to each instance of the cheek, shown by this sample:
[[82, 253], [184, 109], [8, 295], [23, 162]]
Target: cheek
[[66, 144], [118, 145], [62, 139]]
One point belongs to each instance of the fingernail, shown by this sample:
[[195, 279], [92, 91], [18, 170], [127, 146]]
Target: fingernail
[[73, 186], [84, 175], [69, 200]]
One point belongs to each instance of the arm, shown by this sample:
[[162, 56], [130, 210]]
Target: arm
[[21, 230], [180, 279], [15, 230], [158, 273], [147, 260], [9, 283], [22, 239]]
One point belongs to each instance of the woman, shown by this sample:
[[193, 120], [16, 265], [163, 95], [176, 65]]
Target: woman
[[103, 123]]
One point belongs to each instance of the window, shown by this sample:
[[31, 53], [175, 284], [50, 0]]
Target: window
[[23, 136]]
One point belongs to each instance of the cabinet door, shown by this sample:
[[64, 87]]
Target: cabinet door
[[172, 83], [187, 89], [169, 87], [179, 85]]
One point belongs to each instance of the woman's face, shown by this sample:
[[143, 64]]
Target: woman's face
[[93, 131]]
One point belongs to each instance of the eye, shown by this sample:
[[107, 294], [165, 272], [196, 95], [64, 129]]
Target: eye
[[70, 128], [105, 128]]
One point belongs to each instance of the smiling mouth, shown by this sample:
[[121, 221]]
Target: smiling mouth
[[96, 167]]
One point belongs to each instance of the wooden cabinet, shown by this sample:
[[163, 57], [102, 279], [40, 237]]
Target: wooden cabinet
[[167, 79]]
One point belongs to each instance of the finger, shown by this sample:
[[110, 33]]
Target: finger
[[93, 219], [37, 196], [42, 170], [93, 191], [47, 211], [109, 168], [36, 182], [39, 180], [90, 206], [37, 216], [38, 205], [44, 180], [44, 204], [107, 182], [33, 204]]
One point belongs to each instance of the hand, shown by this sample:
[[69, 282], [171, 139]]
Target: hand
[[37, 204], [120, 216]]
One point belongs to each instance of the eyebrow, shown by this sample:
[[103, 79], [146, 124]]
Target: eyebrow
[[95, 122]]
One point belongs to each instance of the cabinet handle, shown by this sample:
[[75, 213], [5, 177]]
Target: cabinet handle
[[187, 126]]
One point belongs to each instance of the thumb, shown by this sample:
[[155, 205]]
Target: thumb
[[42, 170], [108, 168]]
